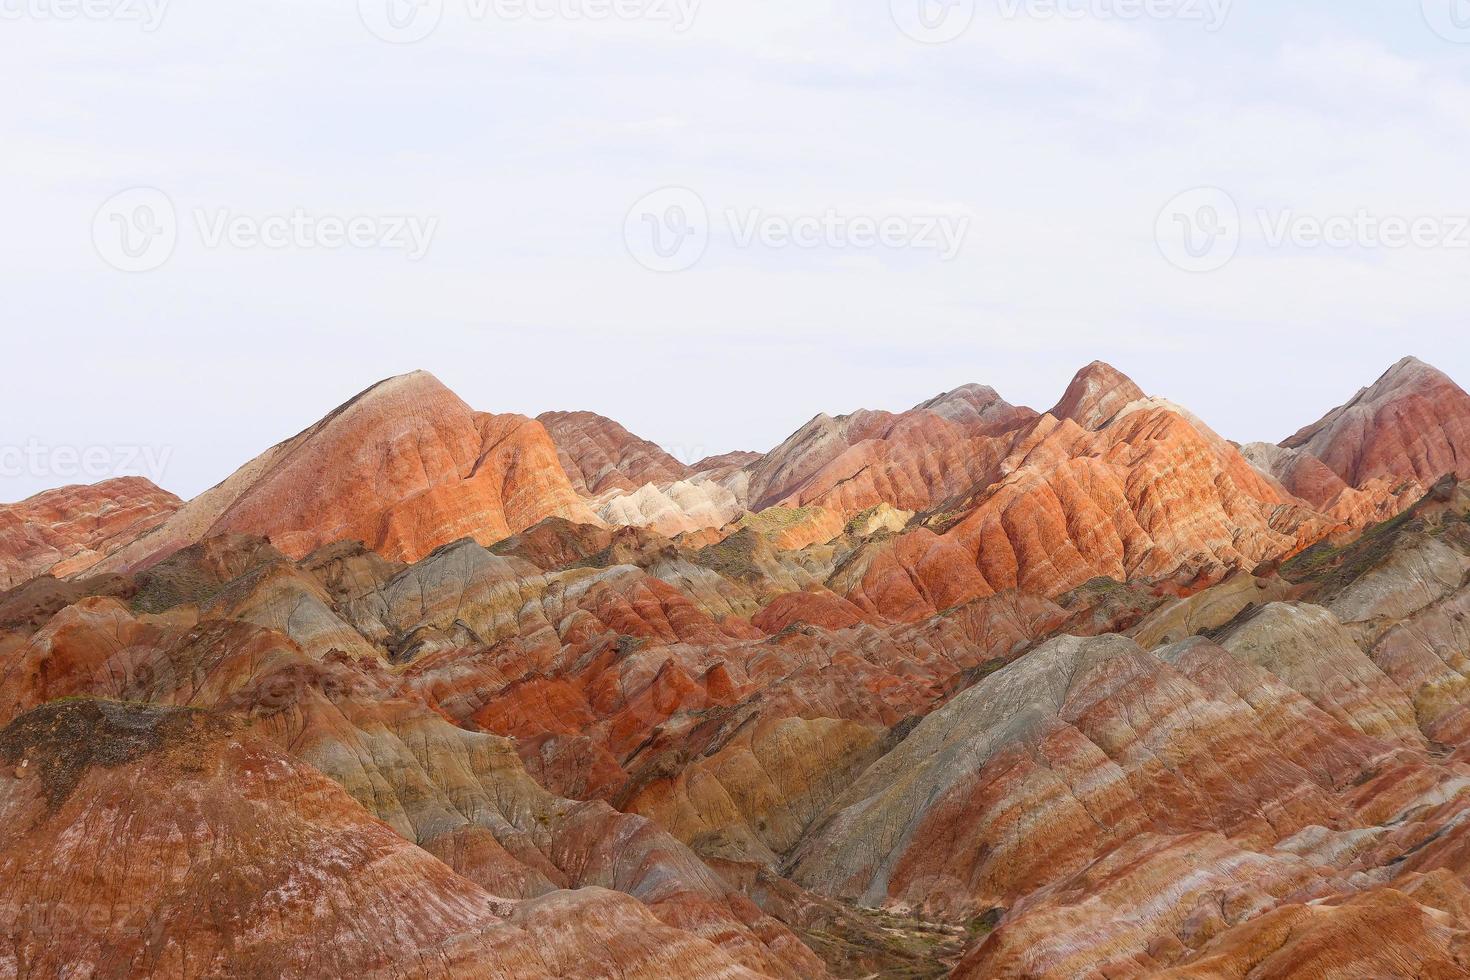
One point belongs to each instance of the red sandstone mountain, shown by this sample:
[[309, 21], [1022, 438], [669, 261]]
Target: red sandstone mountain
[[69, 530], [600, 455], [215, 853], [1143, 490], [1412, 423], [912, 460], [1096, 395], [1367, 460], [1289, 762], [405, 467], [985, 693]]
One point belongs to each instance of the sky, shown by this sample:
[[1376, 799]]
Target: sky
[[710, 220]]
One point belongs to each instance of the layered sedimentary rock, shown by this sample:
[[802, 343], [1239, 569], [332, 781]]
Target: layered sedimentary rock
[[753, 792], [684, 505], [911, 460], [405, 467], [1309, 478], [1382, 933], [1378, 896], [68, 531], [1210, 610], [1414, 422], [1150, 495], [212, 853], [1369, 459], [726, 464], [600, 455], [1097, 394], [855, 707], [1070, 751], [464, 797]]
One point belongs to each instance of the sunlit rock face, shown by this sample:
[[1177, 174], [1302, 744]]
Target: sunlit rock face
[[404, 467]]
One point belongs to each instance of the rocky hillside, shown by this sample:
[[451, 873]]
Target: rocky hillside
[[966, 690]]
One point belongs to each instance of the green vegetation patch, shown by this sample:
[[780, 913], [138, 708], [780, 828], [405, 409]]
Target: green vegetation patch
[[734, 557], [1332, 568], [774, 520]]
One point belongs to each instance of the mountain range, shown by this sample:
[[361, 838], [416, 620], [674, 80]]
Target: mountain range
[[966, 690]]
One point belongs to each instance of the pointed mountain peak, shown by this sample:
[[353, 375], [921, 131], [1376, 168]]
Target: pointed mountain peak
[[1408, 374], [965, 399], [968, 393], [413, 384], [1406, 378], [1414, 421], [404, 466], [977, 405], [418, 393], [1096, 395]]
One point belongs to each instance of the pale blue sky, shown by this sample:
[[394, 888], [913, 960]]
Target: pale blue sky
[[1059, 140]]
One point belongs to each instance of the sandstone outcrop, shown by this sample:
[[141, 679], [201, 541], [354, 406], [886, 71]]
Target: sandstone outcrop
[[214, 854], [961, 690], [1097, 394], [1150, 495], [1069, 752], [910, 461], [404, 467], [1412, 423], [600, 455], [684, 505], [69, 530]]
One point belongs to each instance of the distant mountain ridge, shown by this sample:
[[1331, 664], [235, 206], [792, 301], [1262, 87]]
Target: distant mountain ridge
[[1005, 497]]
